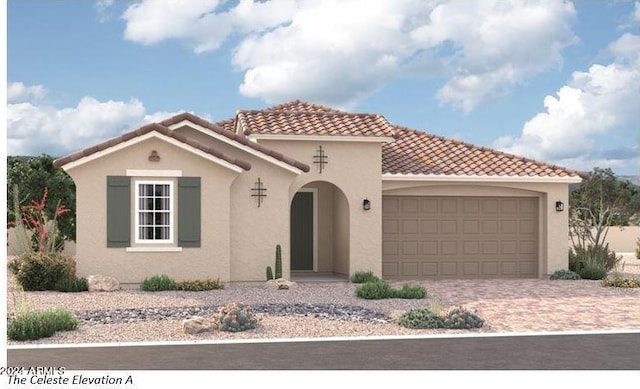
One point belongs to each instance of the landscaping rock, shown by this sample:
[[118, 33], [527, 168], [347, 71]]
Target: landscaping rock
[[98, 283], [280, 283], [196, 325]]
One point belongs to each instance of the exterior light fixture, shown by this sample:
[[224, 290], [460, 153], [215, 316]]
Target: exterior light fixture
[[366, 204], [559, 206]]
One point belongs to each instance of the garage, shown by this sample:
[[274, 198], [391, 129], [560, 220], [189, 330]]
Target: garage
[[459, 237]]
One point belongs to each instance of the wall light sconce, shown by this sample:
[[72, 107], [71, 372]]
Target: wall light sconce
[[559, 206], [366, 204]]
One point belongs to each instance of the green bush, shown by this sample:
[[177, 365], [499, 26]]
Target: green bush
[[621, 282], [457, 318], [375, 290], [592, 272], [36, 325], [462, 319], [269, 273], [380, 289], [158, 283], [235, 317], [361, 277], [40, 271], [200, 285], [420, 318], [638, 248], [72, 284], [565, 275], [410, 292], [593, 257]]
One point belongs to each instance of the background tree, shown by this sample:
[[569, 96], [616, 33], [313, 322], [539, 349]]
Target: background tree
[[32, 175], [601, 201]]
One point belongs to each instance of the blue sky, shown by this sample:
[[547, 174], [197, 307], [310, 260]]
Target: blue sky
[[551, 80]]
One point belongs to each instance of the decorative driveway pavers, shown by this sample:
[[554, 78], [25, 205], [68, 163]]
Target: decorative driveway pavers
[[543, 305]]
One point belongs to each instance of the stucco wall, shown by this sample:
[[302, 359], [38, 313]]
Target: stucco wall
[[553, 230], [211, 260], [354, 169]]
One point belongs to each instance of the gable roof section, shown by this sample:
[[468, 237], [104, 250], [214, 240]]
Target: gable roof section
[[142, 131], [418, 153], [225, 129]]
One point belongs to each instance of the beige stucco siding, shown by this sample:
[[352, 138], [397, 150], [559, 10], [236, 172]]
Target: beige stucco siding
[[211, 260], [553, 225], [354, 169]]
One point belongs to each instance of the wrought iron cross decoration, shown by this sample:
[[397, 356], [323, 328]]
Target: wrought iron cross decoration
[[320, 159], [259, 192]]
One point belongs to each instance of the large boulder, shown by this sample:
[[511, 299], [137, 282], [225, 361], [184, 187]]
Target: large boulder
[[98, 283], [196, 325], [280, 283]]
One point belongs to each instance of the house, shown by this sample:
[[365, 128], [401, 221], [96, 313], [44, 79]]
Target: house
[[339, 191]]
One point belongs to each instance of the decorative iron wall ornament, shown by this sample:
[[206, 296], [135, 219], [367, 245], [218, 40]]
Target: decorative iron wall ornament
[[154, 156], [320, 159], [259, 192]]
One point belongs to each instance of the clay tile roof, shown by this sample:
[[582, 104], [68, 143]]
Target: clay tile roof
[[314, 123], [225, 128], [416, 152], [162, 129], [301, 118]]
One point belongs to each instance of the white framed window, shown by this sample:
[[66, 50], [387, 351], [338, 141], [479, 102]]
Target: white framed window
[[154, 212]]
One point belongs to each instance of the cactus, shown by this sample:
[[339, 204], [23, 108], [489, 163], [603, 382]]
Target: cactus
[[278, 262], [269, 273]]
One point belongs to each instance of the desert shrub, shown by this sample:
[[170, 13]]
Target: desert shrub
[[460, 318], [593, 257], [236, 317], [158, 283], [375, 290], [72, 284], [419, 318], [565, 275], [361, 277], [592, 272], [41, 271], [36, 325], [621, 282], [410, 292], [200, 285]]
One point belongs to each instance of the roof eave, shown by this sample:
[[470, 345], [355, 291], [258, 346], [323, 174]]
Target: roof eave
[[569, 179]]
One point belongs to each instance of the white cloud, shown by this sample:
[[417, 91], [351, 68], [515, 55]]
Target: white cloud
[[586, 113], [35, 129], [17, 91], [338, 52]]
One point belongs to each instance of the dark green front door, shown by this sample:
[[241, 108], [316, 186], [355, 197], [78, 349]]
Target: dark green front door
[[302, 231]]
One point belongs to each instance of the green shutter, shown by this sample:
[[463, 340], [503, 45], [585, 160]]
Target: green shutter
[[189, 211], [118, 211]]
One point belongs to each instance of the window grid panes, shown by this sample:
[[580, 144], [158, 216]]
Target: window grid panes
[[154, 211]]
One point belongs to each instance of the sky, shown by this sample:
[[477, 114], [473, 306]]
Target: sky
[[550, 80]]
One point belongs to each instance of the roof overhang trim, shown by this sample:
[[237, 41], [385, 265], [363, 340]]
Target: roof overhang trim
[[142, 138], [231, 142], [477, 178]]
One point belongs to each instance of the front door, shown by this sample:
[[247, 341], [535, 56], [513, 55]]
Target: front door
[[302, 231]]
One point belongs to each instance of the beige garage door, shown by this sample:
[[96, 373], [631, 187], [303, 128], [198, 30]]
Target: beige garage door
[[459, 237]]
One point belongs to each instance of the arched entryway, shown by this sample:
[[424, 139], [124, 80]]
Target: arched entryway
[[319, 230]]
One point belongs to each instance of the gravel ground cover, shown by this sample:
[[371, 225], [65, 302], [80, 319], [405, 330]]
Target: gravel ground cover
[[331, 309]]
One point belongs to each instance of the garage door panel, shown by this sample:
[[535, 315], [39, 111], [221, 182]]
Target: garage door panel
[[409, 227], [428, 226], [457, 237], [410, 269], [448, 227], [429, 269], [448, 269], [471, 268]]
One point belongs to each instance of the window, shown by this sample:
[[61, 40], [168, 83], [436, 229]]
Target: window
[[154, 212]]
